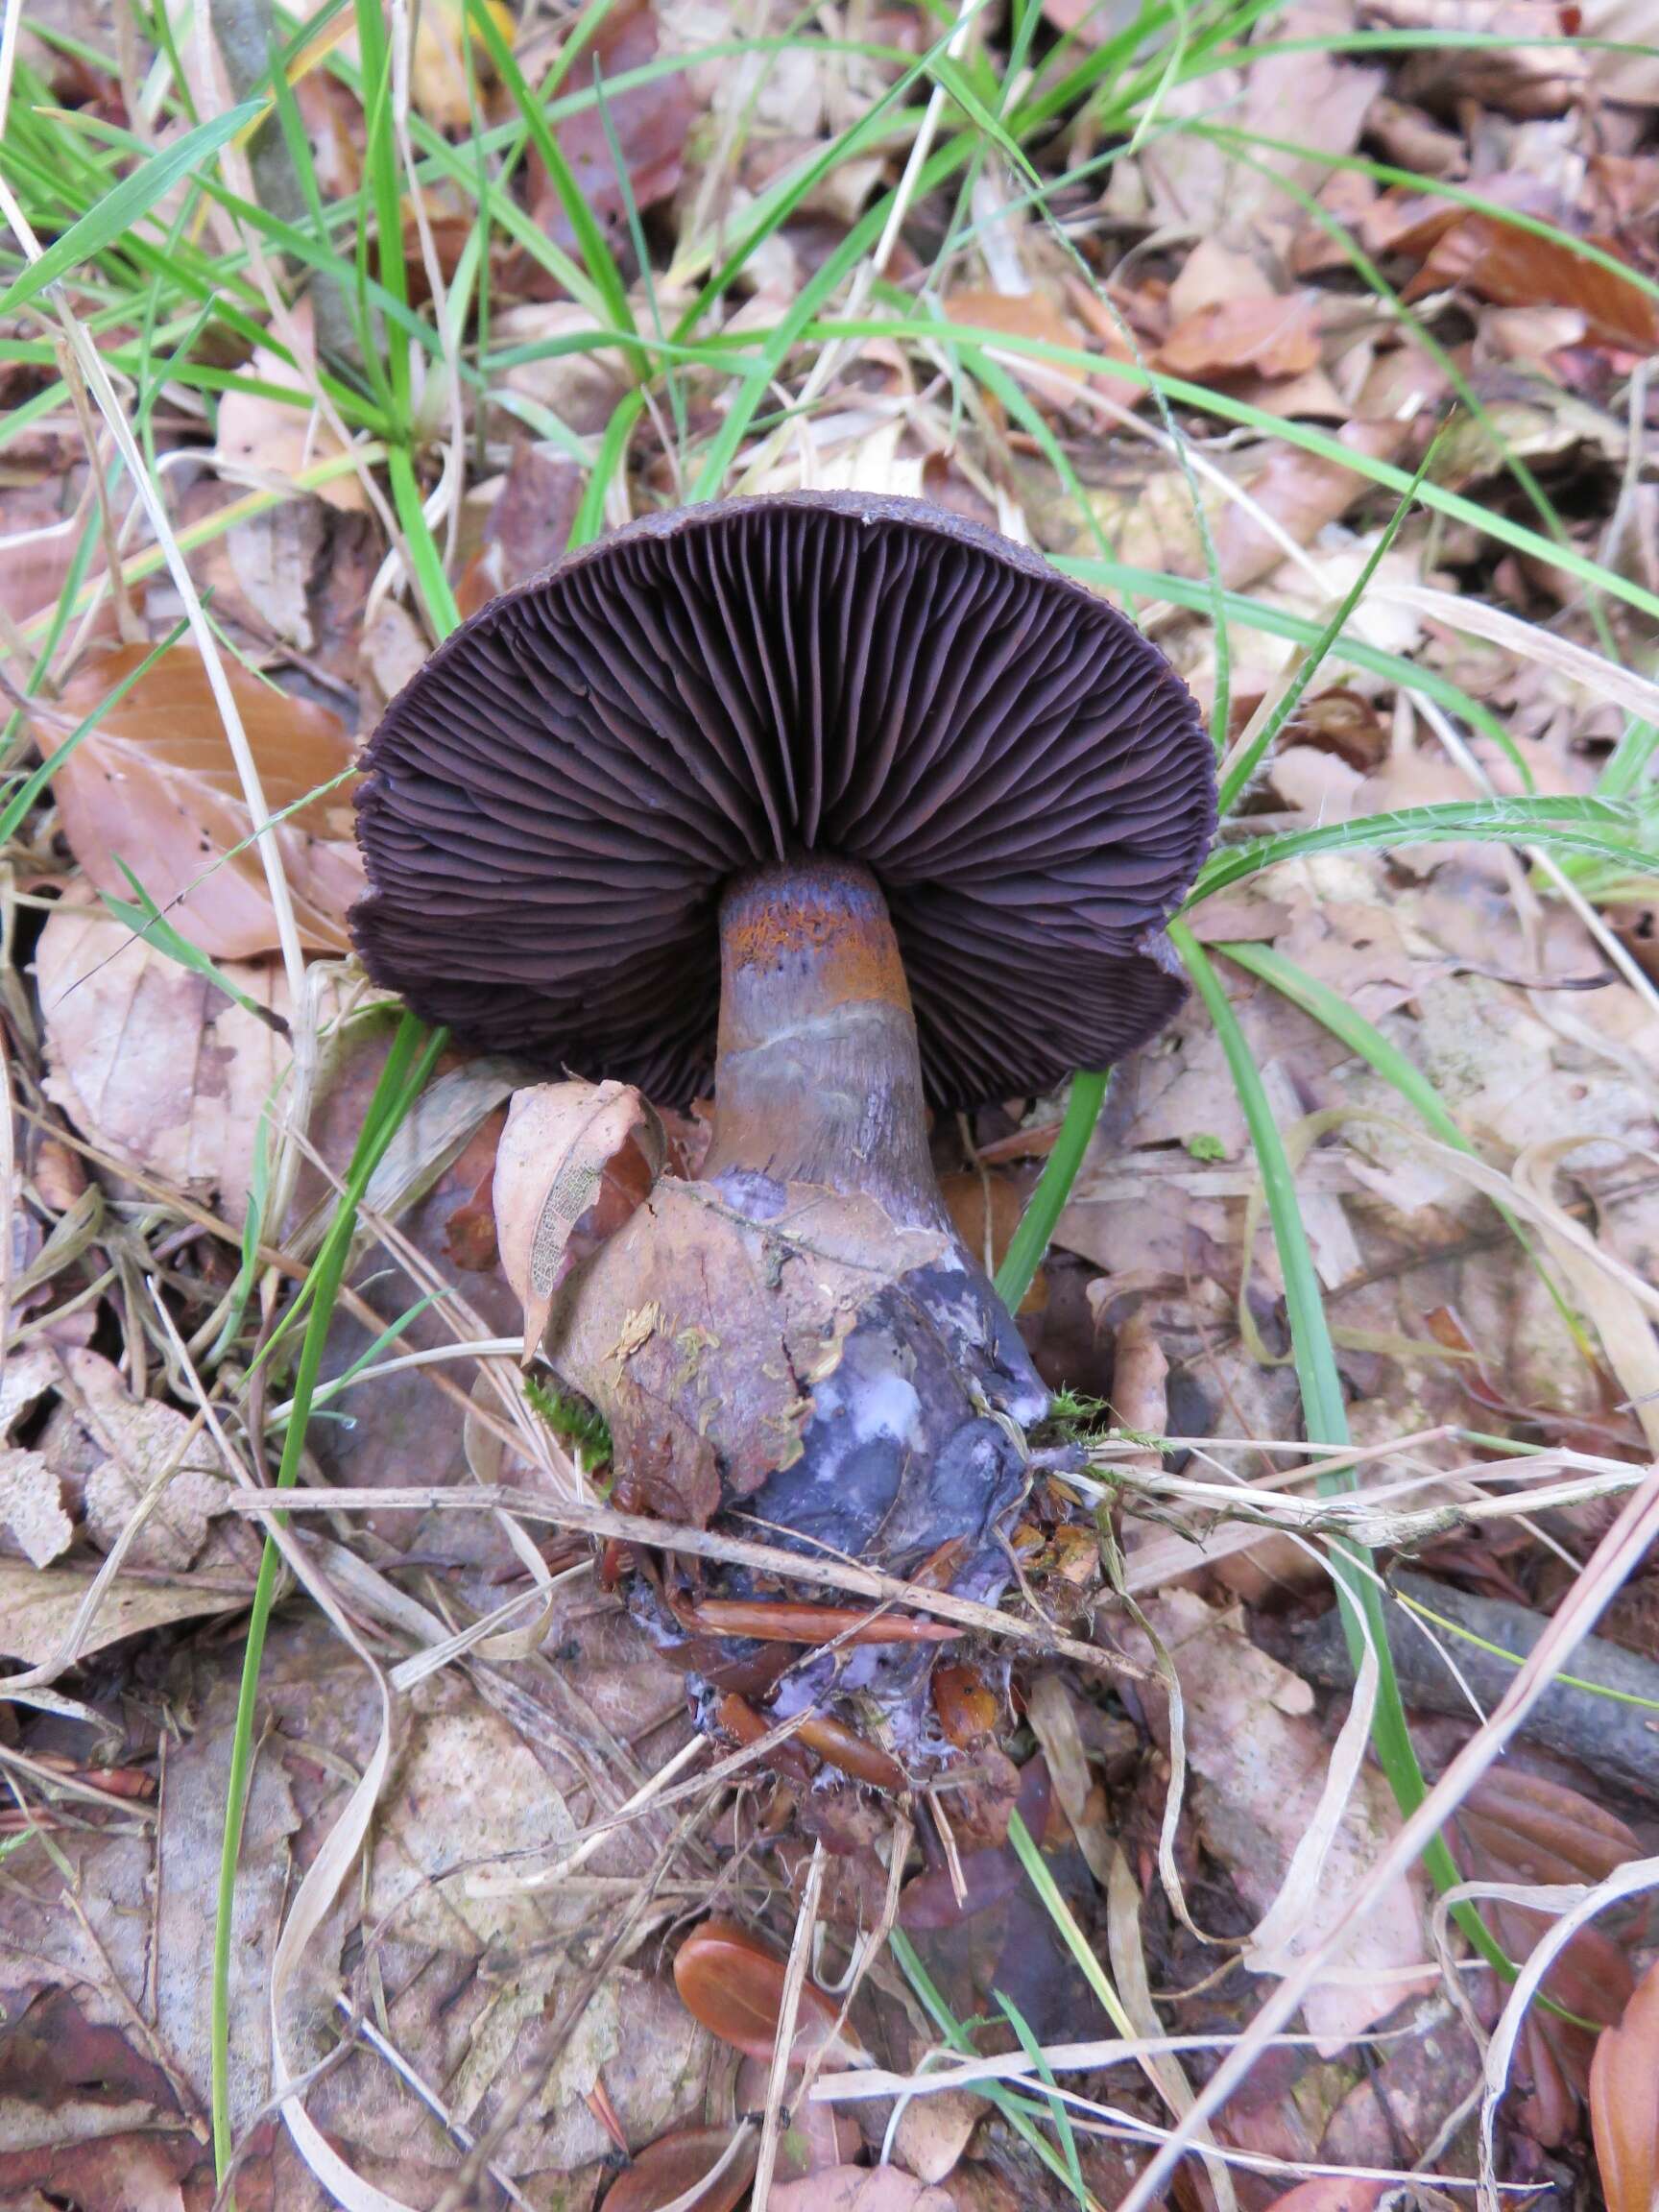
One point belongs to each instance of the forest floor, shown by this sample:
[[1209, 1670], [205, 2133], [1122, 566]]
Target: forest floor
[[376, 1861]]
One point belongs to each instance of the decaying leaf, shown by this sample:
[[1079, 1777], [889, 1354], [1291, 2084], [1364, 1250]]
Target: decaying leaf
[[1259, 1765], [1506, 70], [647, 124], [155, 785], [668, 2170], [575, 1161], [264, 436], [39, 1604], [1235, 337], [151, 1061], [731, 1984], [1624, 2102], [31, 1516], [111, 1450], [986, 1207], [1026, 315], [438, 73], [860, 2189], [1516, 268]]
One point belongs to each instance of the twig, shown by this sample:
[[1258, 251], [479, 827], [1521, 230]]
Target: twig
[[694, 1543]]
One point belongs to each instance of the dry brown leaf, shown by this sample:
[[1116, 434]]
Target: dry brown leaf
[[1030, 315], [152, 1062], [155, 785], [647, 125], [1630, 79], [1624, 2102], [109, 1450], [275, 439], [437, 68], [1233, 337], [1090, 22], [575, 1161], [860, 2189], [1518, 269], [31, 1516], [987, 1208], [1509, 74], [38, 1604], [1260, 1760]]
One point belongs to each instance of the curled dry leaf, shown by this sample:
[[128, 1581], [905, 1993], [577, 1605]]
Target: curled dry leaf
[[151, 1061], [1624, 2102], [1516, 1827], [575, 1161], [731, 1984], [1515, 268], [668, 2169], [438, 76], [155, 784]]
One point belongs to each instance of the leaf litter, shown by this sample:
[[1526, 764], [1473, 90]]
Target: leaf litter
[[502, 1922]]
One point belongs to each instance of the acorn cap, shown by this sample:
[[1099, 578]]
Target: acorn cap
[[552, 805]]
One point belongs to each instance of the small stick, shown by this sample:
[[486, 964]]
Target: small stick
[[696, 1543]]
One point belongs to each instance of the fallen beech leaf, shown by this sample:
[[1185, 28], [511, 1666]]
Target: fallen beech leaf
[[1516, 1827], [31, 1516], [575, 1161], [670, 2168], [1624, 2102], [1332, 2193], [155, 785], [1235, 337], [731, 1984], [1518, 269], [1505, 72], [1026, 315], [1545, 1830], [150, 1061], [647, 125]]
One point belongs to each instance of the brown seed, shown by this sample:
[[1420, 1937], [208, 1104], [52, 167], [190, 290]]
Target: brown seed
[[731, 1982], [675, 2163]]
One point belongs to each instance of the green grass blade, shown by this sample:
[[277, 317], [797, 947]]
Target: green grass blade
[[394, 1094], [125, 204], [1236, 777], [1325, 1417], [1048, 1202]]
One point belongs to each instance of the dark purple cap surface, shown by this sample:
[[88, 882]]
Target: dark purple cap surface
[[553, 804]]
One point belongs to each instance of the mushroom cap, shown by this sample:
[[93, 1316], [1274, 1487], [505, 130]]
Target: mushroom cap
[[553, 804]]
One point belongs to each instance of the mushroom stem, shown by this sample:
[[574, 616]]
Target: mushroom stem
[[818, 1078]]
